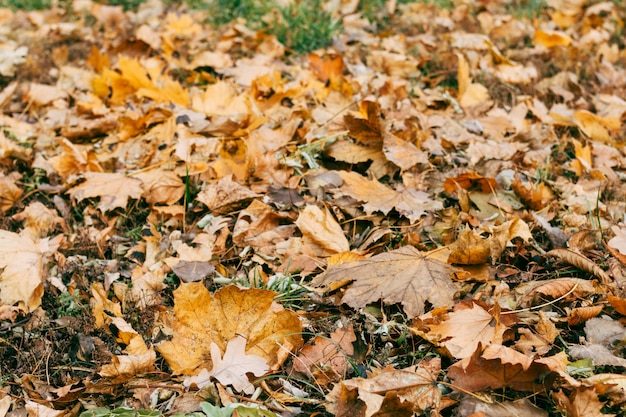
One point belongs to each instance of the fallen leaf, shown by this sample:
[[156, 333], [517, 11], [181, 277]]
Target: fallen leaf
[[321, 231], [138, 359], [23, 269], [201, 319], [113, 189], [497, 366], [582, 402], [326, 358], [410, 203], [232, 368], [460, 331], [222, 195], [404, 275], [414, 387]]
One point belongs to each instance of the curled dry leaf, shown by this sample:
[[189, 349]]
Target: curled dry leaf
[[404, 275], [201, 319], [580, 261]]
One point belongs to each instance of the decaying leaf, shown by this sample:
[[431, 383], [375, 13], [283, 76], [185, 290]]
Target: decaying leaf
[[326, 358], [414, 389], [404, 275], [497, 366], [580, 261], [201, 319]]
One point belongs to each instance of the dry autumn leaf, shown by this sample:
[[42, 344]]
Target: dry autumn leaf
[[219, 197], [460, 331], [408, 202], [406, 276], [113, 189], [232, 368], [201, 319], [497, 366], [23, 269], [326, 358], [321, 231], [415, 388]]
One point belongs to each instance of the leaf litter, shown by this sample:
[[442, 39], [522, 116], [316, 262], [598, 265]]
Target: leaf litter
[[426, 219]]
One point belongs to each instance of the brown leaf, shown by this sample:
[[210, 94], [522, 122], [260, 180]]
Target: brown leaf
[[470, 180], [138, 358], [161, 187], [460, 331], [498, 366], [367, 131], [580, 261], [408, 202], [469, 248], [23, 269], [113, 189], [221, 196], [10, 193], [404, 276], [321, 231], [415, 387], [326, 358], [200, 319], [582, 402]]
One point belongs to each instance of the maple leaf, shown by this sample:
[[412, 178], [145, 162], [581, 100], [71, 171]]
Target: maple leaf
[[461, 330], [404, 276], [410, 203], [497, 366], [114, 189], [22, 269], [201, 319], [232, 368]]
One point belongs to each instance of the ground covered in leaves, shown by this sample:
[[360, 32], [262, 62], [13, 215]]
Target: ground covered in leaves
[[423, 218]]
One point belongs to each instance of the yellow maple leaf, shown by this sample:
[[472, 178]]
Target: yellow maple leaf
[[201, 319]]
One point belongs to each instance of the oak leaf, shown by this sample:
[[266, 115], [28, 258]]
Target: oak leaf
[[232, 368], [114, 189], [201, 319], [404, 275]]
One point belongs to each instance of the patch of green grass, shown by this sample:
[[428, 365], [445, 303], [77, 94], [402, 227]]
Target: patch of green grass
[[304, 26], [224, 11], [528, 9], [26, 4]]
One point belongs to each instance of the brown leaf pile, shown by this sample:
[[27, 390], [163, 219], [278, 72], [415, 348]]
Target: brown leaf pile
[[422, 219]]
